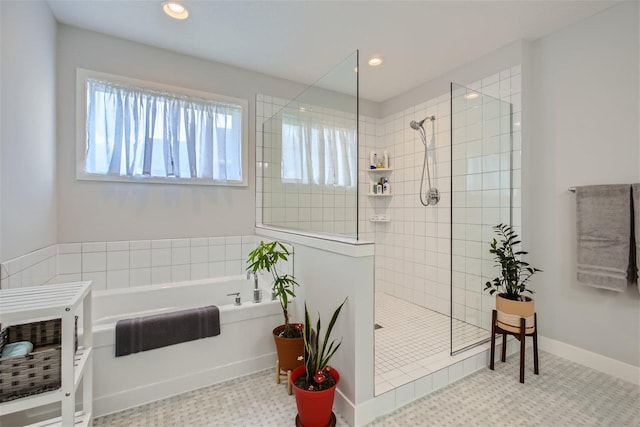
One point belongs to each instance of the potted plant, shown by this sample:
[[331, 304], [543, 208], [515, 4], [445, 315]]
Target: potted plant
[[315, 382], [288, 336], [511, 304]]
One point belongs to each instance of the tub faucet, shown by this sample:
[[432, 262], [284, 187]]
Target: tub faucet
[[237, 295], [257, 293]]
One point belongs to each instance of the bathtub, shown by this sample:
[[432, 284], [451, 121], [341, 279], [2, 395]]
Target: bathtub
[[244, 345]]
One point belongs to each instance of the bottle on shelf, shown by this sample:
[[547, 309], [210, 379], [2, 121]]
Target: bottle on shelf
[[373, 160]]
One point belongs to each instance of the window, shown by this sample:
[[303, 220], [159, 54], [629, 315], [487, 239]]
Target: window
[[318, 152], [137, 131]]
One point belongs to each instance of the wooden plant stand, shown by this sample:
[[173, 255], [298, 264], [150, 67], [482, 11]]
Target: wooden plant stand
[[520, 336], [280, 373]]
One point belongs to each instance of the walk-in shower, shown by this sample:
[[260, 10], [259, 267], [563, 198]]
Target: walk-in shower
[[433, 195], [431, 264]]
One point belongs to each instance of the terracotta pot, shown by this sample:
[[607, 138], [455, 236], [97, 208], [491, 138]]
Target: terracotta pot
[[289, 349], [314, 407], [510, 312]]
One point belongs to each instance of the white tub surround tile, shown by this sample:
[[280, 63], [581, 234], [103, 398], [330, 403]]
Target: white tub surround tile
[[180, 273], [117, 279], [180, 255], [118, 246], [139, 244], [118, 260], [160, 256], [133, 263], [69, 248], [140, 258], [160, 275], [199, 254], [140, 276], [161, 244], [94, 261], [99, 279], [94, 247], [69, 263]]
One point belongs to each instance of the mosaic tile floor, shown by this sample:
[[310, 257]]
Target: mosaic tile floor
[[564, 394], [412, 339]]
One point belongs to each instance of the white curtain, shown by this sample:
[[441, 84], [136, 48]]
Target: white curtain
[[135, 131], [318, 152]]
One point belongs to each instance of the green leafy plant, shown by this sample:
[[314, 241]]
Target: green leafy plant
[[515, 273], [318, 352], [265, 257]]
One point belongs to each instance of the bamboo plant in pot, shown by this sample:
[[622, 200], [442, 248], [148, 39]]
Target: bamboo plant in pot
[[288, 337], [511, 303], [315, 382]]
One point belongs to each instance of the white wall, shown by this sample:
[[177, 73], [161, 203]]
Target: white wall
[[98, 211], [583, 108], [27, 145]]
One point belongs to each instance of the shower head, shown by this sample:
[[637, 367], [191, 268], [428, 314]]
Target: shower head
[[417, 125]]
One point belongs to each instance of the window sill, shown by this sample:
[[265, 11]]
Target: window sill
[[84, 176]]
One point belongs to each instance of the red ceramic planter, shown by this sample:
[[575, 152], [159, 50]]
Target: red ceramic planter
[[314, 407]]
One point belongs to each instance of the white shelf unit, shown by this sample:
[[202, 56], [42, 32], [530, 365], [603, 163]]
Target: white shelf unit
[[61, 301]]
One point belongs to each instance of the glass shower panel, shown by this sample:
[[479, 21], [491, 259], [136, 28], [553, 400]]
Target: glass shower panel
[[310, 158], [481, 146]]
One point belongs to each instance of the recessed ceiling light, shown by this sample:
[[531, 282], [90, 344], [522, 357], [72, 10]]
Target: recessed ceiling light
[[175, 10], [374, 61]]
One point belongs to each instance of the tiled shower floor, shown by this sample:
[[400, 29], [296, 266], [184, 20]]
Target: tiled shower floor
[[413, 341]]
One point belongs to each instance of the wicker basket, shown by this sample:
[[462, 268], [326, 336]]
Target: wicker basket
[[38, 371]]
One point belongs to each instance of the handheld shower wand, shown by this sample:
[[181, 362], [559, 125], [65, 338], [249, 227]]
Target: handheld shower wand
[[433, 195]]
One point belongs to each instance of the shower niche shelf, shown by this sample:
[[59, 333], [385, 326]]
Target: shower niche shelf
[[374, 176]]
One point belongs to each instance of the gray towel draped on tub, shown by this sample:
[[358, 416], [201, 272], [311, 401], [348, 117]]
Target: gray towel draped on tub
[[161, 330], [603, 228]]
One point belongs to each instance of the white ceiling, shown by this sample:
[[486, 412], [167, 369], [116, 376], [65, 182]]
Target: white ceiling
[[302, 40]]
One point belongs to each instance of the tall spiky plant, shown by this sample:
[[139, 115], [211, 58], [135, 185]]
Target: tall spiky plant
[[515, 273], [265, 257], [318, 352]]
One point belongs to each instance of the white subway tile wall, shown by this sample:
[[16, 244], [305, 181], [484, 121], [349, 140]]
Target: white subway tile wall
[[113, 265]]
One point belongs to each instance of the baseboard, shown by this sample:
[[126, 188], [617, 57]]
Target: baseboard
[[601, 363], [344, 407], [126, 399]]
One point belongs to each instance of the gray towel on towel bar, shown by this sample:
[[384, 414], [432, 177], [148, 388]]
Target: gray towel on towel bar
[[635, 189], [603, 229], [161, 330]]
